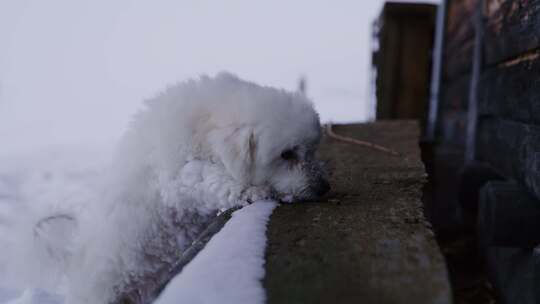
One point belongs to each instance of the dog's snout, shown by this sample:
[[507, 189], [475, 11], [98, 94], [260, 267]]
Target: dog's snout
[[322, 187]]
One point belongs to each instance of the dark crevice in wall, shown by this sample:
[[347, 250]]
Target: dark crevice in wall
[[457, 240]]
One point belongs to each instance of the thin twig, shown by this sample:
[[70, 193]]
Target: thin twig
[[368, 144]]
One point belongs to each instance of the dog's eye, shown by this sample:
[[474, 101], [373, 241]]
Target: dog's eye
[[288, 155]]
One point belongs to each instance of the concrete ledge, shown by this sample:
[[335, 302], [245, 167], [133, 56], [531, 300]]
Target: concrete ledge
[[369, 241]]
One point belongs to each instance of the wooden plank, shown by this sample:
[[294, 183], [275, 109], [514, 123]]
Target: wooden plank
[[403, 84], [417, 41], [387, 68], [512, 148], [509, 216], [512, 28], [511, 92], [459, 41]]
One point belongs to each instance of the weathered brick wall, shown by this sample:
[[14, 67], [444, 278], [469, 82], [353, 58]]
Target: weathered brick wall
[[508, 96], [509, 91], [504, 115]]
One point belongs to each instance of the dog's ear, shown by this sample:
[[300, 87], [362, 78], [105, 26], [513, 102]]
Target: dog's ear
[[236, 148]]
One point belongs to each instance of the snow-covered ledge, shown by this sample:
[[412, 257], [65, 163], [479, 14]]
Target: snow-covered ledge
[[230, 268]]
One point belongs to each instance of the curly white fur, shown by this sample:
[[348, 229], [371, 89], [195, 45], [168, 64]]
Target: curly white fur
[[198, 147]]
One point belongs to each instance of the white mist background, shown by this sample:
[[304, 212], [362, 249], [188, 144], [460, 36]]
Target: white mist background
[[75, 71]]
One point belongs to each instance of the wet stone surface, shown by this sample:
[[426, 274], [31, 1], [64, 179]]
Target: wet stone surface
[[367, 241]]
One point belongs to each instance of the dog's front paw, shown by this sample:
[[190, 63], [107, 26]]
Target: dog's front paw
[[256, 193]]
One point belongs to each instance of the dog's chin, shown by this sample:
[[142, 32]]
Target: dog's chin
[[286, 199], [291, 199], [311, 194]]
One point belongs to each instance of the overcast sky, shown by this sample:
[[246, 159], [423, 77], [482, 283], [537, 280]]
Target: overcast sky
[[77, 70]]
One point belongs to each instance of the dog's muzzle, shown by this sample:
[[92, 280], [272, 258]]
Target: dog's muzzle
[[321, 188]]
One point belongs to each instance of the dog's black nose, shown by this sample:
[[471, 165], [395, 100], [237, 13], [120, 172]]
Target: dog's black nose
[[322, 187]]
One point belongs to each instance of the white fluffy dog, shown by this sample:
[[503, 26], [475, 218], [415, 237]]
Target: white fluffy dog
[[199, 147]]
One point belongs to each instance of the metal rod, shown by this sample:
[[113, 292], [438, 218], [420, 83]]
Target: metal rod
[[472, 113], [436, 72]]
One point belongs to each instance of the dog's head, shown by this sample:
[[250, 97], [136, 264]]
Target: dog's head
[[291, 168], [270, 140]]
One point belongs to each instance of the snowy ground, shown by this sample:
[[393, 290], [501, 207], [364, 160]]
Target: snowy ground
[[228, 270], [30, 184]]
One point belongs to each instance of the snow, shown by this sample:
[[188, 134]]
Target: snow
[[33, 183], [36, 296], [231, 266]]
